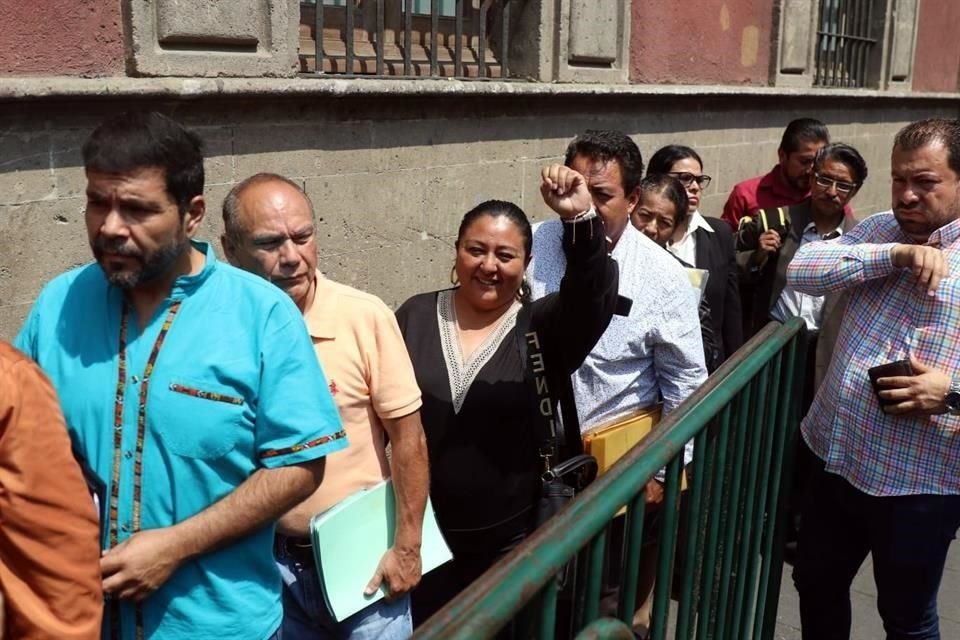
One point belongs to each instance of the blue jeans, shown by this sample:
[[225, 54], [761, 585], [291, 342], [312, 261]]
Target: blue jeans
[[306, 617], [908, 537]]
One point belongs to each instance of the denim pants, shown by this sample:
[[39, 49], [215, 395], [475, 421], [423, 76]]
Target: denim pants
[[306, 617], [908, 537]]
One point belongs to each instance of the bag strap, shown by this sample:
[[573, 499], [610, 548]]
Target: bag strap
[[765, 222], [555, 437]]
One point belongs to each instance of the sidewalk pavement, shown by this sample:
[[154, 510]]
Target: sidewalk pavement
[[863, 596]]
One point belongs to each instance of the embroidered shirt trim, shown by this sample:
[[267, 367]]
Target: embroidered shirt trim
[[460, 373]]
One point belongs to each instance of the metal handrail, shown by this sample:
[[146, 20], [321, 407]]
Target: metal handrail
[[527, 574]]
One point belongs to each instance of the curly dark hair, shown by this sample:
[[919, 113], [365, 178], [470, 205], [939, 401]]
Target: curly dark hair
[[135, 140], [606, 145]]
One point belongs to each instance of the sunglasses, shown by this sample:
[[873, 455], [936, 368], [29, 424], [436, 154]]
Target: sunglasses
[[843, 188], [686, 179]]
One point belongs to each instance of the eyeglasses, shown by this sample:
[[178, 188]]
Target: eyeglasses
[[686, 179], [843, 188]]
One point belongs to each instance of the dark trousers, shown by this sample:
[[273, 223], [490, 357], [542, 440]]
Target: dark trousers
[[908, 537], [444, 583]]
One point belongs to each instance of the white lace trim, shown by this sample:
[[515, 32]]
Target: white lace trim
[[461, 374]]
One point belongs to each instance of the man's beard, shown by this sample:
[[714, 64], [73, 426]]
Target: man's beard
[[152, 266]]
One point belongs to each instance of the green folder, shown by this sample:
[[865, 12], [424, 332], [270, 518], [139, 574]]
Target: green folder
[[350, 538]]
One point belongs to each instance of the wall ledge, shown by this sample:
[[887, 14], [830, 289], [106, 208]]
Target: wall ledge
[[70, 88]]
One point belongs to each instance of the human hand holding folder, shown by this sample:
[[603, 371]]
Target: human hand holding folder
[[399, 569], [351, 541]]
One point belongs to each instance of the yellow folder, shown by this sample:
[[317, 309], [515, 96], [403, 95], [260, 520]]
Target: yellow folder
[[609, 442]]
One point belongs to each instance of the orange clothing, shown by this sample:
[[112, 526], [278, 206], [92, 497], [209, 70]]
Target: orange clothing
[[364, 358], [49, 534]]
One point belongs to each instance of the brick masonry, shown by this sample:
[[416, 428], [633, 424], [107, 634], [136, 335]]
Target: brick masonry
[[391, 177]]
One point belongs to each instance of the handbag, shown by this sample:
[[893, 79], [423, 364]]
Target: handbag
[[561, 483]]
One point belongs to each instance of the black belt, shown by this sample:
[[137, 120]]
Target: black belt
[[300, 549]]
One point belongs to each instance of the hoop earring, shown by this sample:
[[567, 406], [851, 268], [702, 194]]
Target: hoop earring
[[523, 293], [454, 280]]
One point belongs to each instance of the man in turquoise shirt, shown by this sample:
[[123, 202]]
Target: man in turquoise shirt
[[189, 387]]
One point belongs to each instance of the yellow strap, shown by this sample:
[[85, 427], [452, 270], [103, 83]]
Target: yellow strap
[[765, 222]]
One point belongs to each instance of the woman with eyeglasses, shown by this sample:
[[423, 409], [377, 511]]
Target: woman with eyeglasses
[[704, 243]]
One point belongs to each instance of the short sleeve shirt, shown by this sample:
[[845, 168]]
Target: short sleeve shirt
[[370, 377], [221, 382]]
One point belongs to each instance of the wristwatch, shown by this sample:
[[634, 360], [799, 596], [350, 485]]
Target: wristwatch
[[952, 399]]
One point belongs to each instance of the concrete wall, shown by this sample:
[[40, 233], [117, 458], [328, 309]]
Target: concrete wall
[[706, 42], [392, 177], [60, 37], [936, 64]]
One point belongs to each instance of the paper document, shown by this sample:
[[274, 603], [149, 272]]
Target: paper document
[[698, 278], [350, 538]]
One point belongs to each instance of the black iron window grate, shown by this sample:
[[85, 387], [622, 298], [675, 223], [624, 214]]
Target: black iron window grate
[[407, 38], [844, 43]]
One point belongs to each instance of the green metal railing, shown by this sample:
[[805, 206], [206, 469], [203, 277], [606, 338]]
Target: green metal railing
[[744, 425]]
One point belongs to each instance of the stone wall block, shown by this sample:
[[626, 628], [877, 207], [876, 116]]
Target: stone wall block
[[593, 42], [217, 154], [796, 37], [449, 193], [67, 161], [417, 143], [25, 173], [306, 149], [236, 23], [426, 265], [12, 317], [40, 240], [901, 55], [591, 24], [798, 19], [212, 226], [212, 37], [362, 211]]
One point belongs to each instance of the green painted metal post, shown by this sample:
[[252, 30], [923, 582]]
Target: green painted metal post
[[796, 365], [633, 536], [702, 449], [598, 547], [548, 611], [711, 557], [668, 537], [733, 509], [770, 430], [755, 437]]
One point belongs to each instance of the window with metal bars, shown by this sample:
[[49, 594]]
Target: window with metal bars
[[418, 38], [846, 43]]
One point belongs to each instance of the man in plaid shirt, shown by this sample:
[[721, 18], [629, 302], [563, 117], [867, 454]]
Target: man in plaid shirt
[[889, 479]]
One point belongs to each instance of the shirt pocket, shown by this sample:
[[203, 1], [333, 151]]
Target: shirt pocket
[[198, 418]]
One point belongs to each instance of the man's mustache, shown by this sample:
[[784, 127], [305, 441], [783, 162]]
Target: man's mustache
[[116, 247]]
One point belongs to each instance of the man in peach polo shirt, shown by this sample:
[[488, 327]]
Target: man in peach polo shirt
[[269, 230]]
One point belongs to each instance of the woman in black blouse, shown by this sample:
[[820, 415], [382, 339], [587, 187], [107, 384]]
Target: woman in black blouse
[[492, 367]]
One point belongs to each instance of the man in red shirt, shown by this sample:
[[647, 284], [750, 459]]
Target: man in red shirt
[[787, 183]]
